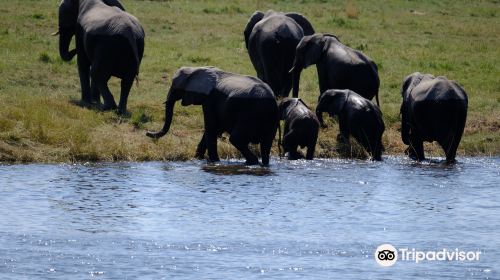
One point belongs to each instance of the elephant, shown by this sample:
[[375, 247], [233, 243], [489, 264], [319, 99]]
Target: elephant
[[433, 109], [338, 66], [358, 117], [301, 128], [243, 106], [109, 42], [271, 39]]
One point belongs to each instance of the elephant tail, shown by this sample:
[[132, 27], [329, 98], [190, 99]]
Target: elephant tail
[[137, 44], [280, 143], [137, 80]]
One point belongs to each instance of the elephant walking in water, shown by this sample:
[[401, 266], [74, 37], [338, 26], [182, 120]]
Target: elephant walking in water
[[109, 42], [243, 106], [301, 128], [433, 109], [271, 39]]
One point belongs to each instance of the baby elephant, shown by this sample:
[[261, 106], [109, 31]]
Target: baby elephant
[[301, 128], [358, 117]]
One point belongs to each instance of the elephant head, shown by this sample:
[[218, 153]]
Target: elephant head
[[331, 101], [308, 52], [287, 104], [68, 16], [192, 85], [258, 16]]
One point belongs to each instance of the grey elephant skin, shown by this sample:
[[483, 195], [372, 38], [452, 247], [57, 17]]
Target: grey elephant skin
[[301, 128], [243, 106], [109, 42], [358, 117], [433, 109], [271, 39], [338, 66]]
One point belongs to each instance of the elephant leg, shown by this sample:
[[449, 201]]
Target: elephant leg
[[84, 73], [126, 85], [312, 146], [365, 142], [240, 142], [416, 149], [450, 147], [95, 96], [265, 150], [101, 81], [109, 101], [211, 144], [377, 150], [209, 139], [202, 148], [290, 145], [372, 144]]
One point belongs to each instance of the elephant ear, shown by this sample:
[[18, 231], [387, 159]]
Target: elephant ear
[[256, 17], [337, 101], [331, 35], [284, 107], [198, 85], [114, 3], [405, 127], [406, 84], [312, 50], [409, 83], [303, 22], [412, 81]]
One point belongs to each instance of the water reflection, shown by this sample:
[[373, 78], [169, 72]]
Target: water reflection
[[300, 219]]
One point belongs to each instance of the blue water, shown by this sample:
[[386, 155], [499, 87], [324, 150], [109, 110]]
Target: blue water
[[294, 220]]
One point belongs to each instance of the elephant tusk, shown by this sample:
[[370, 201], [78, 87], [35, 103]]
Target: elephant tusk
[[55, 33], [291, 70]]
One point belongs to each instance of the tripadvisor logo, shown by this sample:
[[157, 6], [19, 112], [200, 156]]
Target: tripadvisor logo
[[386, 255]]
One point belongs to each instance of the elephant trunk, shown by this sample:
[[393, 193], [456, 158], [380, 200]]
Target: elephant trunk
[[319, 115], [169, 112], [64, 42], [295, 80]]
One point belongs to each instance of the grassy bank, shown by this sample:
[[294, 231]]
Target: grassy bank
[[39, 120]]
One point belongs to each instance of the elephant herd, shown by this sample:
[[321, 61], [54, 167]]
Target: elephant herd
[[110, 42]]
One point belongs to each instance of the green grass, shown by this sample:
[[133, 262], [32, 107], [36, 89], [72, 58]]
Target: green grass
[[39, 120]]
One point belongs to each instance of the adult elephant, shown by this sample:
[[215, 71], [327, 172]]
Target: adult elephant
[[271, 39], [358, 117], [433, 109], [243, 106], [109, 42], [339, 67]]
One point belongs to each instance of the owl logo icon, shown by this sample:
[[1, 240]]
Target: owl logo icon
[[386, 255]]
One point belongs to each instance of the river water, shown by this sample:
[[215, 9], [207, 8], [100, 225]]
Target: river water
[[294, 220]]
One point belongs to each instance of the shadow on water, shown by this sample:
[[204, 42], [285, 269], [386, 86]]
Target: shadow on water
[[236, 169]]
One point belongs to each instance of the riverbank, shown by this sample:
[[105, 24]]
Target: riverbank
[[40, 120]]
